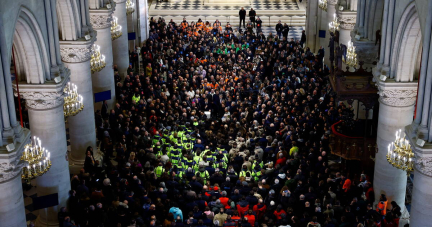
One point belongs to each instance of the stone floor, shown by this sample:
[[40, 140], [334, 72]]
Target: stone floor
[[202, 5]]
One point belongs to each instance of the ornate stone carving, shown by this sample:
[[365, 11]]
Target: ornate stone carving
[[44, 104], [43, 100], [347, 26], [74, 55], [100, 21], [347, 19], [424, 165], [397, 97], [10, 170], [332, 2], [119, 1]]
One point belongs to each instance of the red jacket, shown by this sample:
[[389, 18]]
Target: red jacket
[[259, 209], [251, 219], [279, 214], [241, 209]]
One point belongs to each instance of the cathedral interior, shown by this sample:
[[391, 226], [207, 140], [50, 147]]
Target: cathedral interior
[[215, 113]]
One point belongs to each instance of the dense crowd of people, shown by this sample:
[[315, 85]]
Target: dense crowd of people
[[225, 127]]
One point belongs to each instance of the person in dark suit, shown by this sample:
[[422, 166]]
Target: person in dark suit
[[279, 28], [252, 15], [285, 31], [242, 15]]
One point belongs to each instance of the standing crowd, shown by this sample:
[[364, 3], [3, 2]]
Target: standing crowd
[[225, 127]]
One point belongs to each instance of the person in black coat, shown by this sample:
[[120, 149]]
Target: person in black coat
[[285, 31], [252, 15], [303, 38], [242, 15], [279, 28]]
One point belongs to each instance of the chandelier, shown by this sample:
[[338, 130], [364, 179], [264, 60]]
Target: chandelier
[[334, 25], [351, 56], [130, 7], [97, 62], [73, 103], [37, 160], [400, 154], [116, 29], [322, 4]]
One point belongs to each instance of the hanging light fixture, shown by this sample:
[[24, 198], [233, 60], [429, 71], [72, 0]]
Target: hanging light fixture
[[400, 154], [351, 56], [116, 29], [97, 61], [334, 25], [322, 4], [130, 7], [73, 102], [37, 160]]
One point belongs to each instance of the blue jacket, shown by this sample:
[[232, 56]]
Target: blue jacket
[[176, 212]]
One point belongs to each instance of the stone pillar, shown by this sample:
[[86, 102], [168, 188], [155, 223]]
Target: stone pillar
[[131, 27], [76, 56], [12, 212], [45, 108], [388, 37], [420, 202], [104, 80], [312, 24], [395, 112], [347, 24], [120, 45], [144, 23], [361, 19], [331, 11]]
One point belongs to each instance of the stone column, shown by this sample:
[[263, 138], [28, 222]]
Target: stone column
[[131, 27], [120, 45], [388, 36], [76, 56], [361, 19], [104, 80], [346, 26], [144, 24], [45, 108], [331, 11], [395, 112], [420, 202], [12, 212], [312, 24]]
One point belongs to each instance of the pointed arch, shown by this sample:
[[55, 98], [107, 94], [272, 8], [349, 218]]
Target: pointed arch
[[30, 48], [69, 19], [407, 47]]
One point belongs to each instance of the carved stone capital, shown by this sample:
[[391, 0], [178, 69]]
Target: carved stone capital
[[424, 165], [77, 51], [45, 104], [74, 55], [332, 2], [398, 94], [101, 20], [10, 164], [120, 1], [44, 96], [398, 97], [347, 26], [10, 170], [43, 100]]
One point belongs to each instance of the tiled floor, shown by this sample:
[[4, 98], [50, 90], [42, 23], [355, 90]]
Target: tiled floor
[[31, 214], [202, 5]]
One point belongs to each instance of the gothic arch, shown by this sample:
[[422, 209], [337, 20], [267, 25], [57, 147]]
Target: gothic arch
[[68, 14], [30, 49], [407, 47], [374, 18]]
